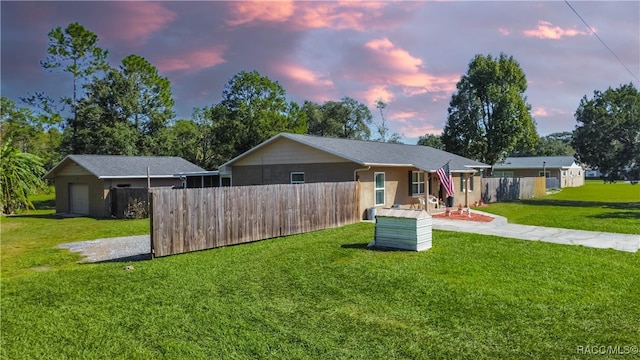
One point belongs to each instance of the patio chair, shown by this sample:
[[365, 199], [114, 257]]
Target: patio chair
[[433, 200], [422, 203]]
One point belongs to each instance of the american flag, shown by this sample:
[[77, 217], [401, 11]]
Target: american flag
[[445, 179]]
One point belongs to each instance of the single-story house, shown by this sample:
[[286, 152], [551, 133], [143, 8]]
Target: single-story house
[[83, 182], [560, 171], [390, 174]]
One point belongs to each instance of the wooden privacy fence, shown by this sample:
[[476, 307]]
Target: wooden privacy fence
[[128, 203], [184, 220], [507, 189]]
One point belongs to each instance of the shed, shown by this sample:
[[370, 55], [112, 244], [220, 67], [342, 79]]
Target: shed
[[403, 229], [560, 171], [83, 182]]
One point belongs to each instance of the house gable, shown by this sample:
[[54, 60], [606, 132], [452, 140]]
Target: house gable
[[286, 151], [73, 169]]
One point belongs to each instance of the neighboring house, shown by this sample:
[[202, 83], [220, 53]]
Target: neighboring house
[[560, 171], [83, 182], [592, 174], [390, 174]]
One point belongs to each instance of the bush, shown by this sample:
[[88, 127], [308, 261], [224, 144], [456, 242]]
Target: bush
[[136, 209]]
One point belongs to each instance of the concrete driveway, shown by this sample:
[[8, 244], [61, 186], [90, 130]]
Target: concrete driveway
[[500, 227]]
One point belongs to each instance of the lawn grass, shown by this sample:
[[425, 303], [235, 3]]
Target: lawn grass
[[324, 295], [315, 295], [28, 238], [595, 206]]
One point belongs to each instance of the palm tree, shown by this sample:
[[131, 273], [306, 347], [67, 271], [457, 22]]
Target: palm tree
[[20, 176]]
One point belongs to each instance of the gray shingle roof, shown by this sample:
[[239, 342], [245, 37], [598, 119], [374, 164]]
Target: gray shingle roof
[[535, 162], [378, 153], [120, 166]]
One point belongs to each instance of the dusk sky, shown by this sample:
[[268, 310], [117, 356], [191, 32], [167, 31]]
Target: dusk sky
[[410, 54]]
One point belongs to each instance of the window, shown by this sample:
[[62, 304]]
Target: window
[[564, 173], [297, 177], [417, 182], [547, 174], [503, 174], [463, 183], [378, 179]]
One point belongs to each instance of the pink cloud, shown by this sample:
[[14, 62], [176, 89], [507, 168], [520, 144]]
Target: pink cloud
[[137, 20], [503, 31], [539, 112], [398, 67], [267, 11], [338, 15], [392, 56], [545, 112], [412, 124], [193, 61], [304, 15], [404, 116], [546, 30], [440, 97], [303, 75], [377, 92], [417, 128]]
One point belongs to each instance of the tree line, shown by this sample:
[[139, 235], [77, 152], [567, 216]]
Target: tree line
[[489, 119], [128, 110]]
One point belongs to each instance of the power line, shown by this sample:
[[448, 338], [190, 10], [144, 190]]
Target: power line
[[602, 41]]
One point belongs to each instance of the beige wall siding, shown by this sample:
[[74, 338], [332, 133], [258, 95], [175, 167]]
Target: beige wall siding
[[111, 183], [99, 205], [96, 193], [574, 176], [73, 170], [397, 189], [397, 181], [469, 196], [281, 174], [285, 151]]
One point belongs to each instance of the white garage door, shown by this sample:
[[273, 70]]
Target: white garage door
[[79, 199]]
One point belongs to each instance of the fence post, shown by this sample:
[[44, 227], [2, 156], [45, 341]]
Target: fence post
[[150, 212], [148, 188]]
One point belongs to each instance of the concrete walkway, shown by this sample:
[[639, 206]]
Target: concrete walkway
[[500, 227]]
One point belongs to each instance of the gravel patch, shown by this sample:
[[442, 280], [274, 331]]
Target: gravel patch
[[129, 248]]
